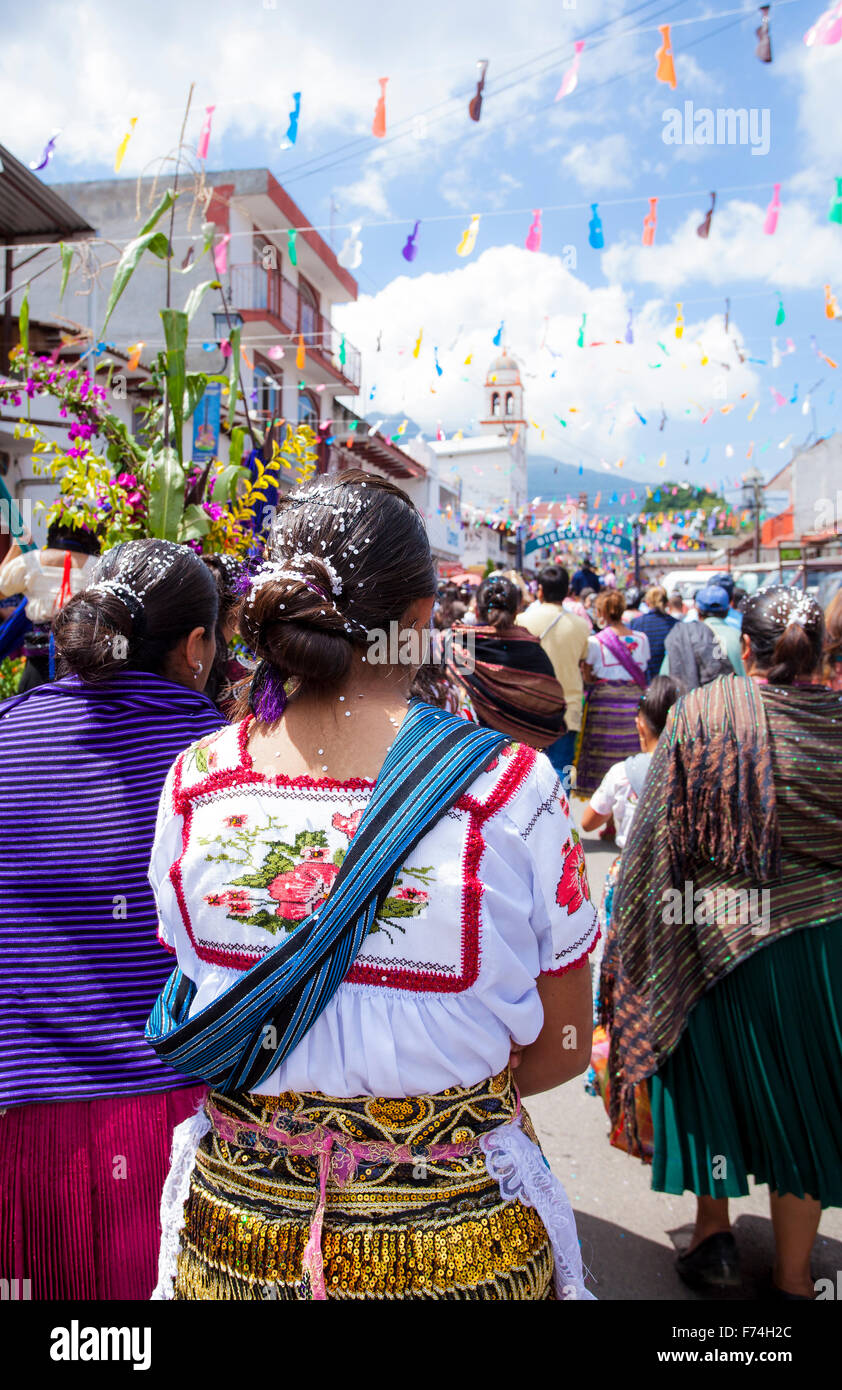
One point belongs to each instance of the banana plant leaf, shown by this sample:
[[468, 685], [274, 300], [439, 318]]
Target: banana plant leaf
[[165, 479], [175, 332], [146, 240], [233, 375]]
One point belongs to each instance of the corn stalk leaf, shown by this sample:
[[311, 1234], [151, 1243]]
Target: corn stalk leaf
[[155, 242], [235, 450], [146, 240], [165, 478], [196, 296], [23, 320], [195, 383], [66, 262], [225, 483], [175, 333], [233, 375], [195, 523]]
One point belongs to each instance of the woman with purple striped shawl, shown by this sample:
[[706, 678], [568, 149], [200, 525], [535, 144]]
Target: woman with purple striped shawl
[[86, 1108], [720, 979], [615, 677]]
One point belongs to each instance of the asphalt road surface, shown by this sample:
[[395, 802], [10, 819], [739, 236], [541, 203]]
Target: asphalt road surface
[[629, 1234]]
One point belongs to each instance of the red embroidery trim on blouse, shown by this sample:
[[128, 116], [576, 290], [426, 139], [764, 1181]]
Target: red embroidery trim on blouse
[[580, 961], [521, 761], [303, 779]]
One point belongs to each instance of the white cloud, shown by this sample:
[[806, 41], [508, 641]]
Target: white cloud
[[539, 298], [367, 193], [801, 254], [598, 164]]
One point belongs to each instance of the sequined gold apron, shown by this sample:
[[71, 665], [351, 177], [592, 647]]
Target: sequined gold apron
[[291, 1194]]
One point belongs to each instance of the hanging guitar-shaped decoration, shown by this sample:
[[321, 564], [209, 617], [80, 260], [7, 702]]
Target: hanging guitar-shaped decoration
[[533, 236], [378, 125], [595, 237], [410, 249], [292, 129], [703, 229], [650, 222], [351, 253], [665, 71], [571, 77], [475, 104], [771, 222], [764, 38]]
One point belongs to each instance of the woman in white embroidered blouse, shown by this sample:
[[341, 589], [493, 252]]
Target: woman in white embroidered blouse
[[478, 952]]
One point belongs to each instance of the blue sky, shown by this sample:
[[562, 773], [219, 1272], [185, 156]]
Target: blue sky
[[88, 68]]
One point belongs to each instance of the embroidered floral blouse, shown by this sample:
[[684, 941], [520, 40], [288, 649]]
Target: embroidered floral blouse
[[493, 896]]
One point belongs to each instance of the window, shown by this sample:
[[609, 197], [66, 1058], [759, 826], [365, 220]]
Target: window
[[308, 312], [268, 387], [267, 275], [495, 404], [308, 410], [510, 403]]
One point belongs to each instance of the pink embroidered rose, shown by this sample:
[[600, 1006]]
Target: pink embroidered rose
[[235, 821], [572, 890], [347, 824], [299, 891], [412, 895]]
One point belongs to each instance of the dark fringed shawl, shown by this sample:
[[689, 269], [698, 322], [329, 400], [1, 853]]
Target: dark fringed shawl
[[743, 791], [511, 683]]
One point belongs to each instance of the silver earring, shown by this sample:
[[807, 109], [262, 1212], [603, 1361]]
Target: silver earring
[[197, 670]]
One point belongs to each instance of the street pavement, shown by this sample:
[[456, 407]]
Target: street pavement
[[629, 1234]]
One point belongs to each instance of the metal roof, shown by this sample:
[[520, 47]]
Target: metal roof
[[28, 208]]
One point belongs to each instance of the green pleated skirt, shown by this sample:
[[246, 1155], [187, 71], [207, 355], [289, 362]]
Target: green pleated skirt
[[755, 1084]]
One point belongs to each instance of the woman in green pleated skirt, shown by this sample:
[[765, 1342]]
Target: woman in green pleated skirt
[[736, 1020]]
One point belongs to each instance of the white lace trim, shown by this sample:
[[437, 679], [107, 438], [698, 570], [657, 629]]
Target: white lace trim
[[523, 1175], [186, 1139]]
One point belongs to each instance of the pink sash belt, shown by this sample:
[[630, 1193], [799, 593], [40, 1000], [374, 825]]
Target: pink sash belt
[[338, 1157]]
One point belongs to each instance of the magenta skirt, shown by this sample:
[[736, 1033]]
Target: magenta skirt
[[80, 1188]]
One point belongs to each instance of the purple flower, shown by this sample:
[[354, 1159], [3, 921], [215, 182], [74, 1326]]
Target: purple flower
[[214, 510]]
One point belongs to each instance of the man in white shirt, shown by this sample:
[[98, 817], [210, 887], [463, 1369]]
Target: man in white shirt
[[564, 638]]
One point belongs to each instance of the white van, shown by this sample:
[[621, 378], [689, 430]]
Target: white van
[[687, 582]]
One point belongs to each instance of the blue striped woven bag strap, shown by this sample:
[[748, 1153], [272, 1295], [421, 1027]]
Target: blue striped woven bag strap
[[242, 1036]]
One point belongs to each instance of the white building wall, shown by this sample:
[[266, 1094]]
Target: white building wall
[[817, 485]]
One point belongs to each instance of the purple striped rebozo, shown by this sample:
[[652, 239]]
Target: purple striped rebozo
[[81, 772]]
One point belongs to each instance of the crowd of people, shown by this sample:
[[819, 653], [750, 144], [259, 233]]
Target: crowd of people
[[289, 932]]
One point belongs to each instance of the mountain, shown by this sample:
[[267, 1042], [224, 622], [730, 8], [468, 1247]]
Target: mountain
[[553, 481]]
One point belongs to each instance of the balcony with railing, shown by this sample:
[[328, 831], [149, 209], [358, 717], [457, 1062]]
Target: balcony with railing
[[255, 291]]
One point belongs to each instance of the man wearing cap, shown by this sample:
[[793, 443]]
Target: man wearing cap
[[585, 578], [733, 617], [696, 653]]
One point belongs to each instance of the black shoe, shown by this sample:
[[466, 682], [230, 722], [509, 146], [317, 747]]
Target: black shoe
[[713, 1264]]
